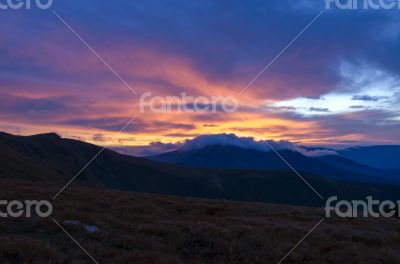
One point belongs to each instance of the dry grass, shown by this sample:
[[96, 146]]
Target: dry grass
[[140, 228]]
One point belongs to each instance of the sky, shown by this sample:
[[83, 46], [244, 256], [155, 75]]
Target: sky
[[338, 83]]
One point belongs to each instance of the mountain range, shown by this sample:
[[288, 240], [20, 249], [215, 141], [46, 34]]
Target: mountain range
[[215, 171], [231, 152]]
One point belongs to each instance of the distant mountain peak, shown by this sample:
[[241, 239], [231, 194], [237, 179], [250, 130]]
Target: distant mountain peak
[[48, 135], [51, 135]]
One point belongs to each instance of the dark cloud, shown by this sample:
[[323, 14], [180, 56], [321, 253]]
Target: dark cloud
[[368, 98], [100, 138], [110, 124], [23, 105], [211, 117], [357, 107], [374, 126], [281, 108], [167, 125], [181, 135], [40, 110], [117, 123]]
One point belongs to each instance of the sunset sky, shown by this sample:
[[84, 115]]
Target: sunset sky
[[337, 84]]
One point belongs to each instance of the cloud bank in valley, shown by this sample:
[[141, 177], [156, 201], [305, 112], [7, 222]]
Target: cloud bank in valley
[[223, 140]]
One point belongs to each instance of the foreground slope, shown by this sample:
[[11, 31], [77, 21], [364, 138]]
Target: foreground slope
[[142, 228]]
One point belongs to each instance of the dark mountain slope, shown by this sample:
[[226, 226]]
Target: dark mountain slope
[[51, 158], [384, 157], [56, 160]]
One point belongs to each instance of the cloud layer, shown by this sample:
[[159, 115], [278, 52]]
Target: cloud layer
[[339, 82], [204, 141]]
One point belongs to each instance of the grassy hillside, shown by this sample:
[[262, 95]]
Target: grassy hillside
[[141, 228]]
